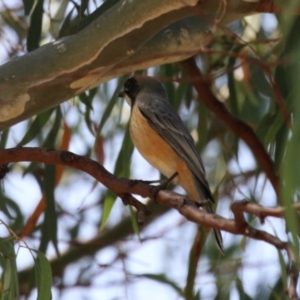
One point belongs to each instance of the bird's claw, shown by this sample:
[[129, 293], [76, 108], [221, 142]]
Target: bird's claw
[[164, 185]]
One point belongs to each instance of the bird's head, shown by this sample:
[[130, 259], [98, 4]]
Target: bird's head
[[141, 85]]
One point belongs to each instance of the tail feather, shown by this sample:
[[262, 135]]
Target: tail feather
[[217, 232]]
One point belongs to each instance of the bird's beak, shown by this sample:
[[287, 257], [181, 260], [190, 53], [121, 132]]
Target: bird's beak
[[121, 94]]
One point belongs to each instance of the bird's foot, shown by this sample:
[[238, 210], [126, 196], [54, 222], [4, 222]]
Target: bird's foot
[[134, 182], [164, 184], [202, 203]]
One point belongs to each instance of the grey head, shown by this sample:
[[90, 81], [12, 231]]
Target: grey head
[[142, 86]]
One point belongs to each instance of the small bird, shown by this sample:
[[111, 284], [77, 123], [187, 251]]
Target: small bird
[[162, 139]]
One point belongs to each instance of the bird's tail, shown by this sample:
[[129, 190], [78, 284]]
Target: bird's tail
[[217, 232]]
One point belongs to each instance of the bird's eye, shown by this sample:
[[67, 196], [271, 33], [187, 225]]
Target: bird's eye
[[129, 84]]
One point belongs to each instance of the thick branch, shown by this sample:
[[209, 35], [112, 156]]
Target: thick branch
[[122, 186], [67, 65], [108, 47]]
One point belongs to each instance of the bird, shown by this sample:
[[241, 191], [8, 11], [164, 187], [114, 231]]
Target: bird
[[161, 137]]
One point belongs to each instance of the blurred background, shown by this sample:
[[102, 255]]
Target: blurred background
[[90, 238]]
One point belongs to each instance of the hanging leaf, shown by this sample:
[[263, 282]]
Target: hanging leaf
[[35, 28], [49, 226], [3, 138], [43, 276], [122, 169], [10, 288], [35, 128]]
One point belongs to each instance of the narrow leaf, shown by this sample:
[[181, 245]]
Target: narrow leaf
[[122, 169], [52, 135], [3, 138], [35, 127], [28, 6], [35, 29], [111, 104], [49, 227], [10, 279], [134, 222], [43, 275], [107, 207]]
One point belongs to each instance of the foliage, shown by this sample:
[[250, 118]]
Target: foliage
[[91, 240]]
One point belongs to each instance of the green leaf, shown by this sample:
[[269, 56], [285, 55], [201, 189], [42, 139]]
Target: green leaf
[[3, 138], [36, 127], [111, 104], [291, 163], [50, 140], [3, 206], [134, 222], [85, 99], [67, 24], [278, 291], [9, 275], [35, 28], [197, 295], [273, 129], [78, 24], [122, 169], [28, 6], [280, 150], [7, 281], [12, 211], [7, 249], [49, 226], [43, 275], [259, 80], [18, 218], [107, 207]]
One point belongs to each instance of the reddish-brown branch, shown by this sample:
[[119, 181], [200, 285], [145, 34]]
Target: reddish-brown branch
[[123, 187], [263, 212], [238, 127]]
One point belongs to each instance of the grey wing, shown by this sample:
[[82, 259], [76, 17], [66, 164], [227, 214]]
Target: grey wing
[[167, 123]]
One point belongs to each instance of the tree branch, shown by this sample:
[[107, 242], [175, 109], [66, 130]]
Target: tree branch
[[183, 204], [262, 212], [238, 127], [122, 187], [114, 44]]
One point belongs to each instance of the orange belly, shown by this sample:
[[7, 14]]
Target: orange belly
[[159, 154]]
